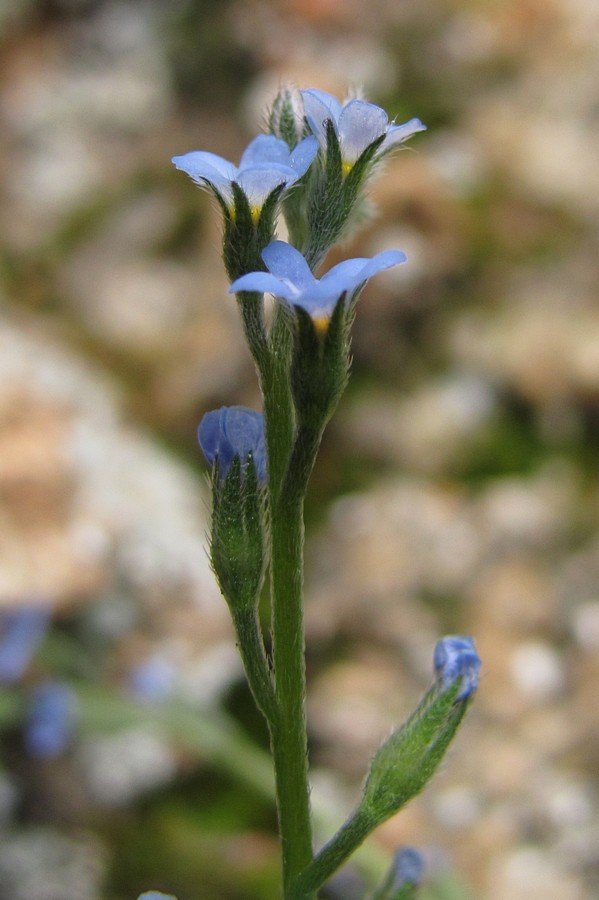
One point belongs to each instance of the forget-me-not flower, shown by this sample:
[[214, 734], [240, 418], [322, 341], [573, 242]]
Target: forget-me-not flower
[[230, 432], [21, 633], [455, 659], [290, 279], [407, 868], [156, 895], [357, 124], [50, 720], [266, 164], [152, 679]]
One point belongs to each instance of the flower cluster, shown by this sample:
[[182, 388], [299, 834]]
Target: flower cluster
[[314, 168]]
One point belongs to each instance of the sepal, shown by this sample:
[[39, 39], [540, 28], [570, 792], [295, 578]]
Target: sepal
[[320, 363], [237, 547], [247, 231], [334, 196]]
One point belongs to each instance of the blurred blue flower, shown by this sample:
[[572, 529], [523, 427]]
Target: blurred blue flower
[[407, 868], [357, 124], [266, 164], [21, 633], [156, 895], [234, 431], [289, 278], [50, 720], [455, 659], [152, 679]]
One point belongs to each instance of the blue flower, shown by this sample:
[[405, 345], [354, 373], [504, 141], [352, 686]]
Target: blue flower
[[357, 124], [21, 632], [289, 278], [266, 164], [50, 720], [230, 432], [455, 659], [407, 868], [152, 679], [156, 895]]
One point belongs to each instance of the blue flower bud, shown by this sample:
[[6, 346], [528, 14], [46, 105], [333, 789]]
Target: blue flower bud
[[50, 720], [21, 633], [455, 659], [234, 432], [403, 877], [286, 118], [407, 867]]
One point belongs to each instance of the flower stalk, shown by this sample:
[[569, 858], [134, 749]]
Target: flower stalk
[[313, 169]]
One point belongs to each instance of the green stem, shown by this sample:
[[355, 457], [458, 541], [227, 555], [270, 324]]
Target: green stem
[[333, 854], [288, 734]]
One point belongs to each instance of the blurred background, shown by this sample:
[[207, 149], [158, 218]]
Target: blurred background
[[457, 485]]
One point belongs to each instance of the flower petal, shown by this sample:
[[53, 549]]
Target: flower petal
[[397, 134], [351, 273], [360, 123], [318, 107], [286, 262], [260, 181], [312, 96], [265, 148], [303, 155], [264, 283], [200, 164]]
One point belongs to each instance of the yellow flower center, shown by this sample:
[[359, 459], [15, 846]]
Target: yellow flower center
[[321, 324]]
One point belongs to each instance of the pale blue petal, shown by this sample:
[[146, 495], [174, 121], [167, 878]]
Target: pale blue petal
[[360, 123], [303, 155], [319, 107], [387, 259], [200, 164], [260, 181], [286, 262], [397, 134], [265, 148], [351, 273], [331, 104], [264, 283]]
